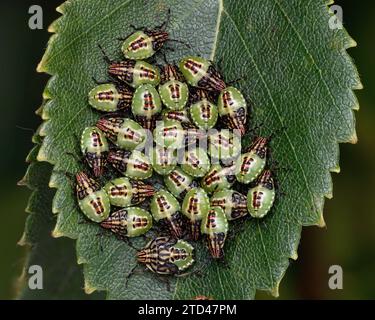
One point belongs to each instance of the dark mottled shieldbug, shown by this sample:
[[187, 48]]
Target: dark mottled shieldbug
[[166, 256]]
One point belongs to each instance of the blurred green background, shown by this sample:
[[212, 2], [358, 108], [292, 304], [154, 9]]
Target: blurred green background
[[348, 240]]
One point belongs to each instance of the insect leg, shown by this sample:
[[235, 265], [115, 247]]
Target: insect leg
[[132, 272]]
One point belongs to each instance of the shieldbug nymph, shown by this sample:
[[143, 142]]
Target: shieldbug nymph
[[133, 164], [232, 202], [251, 164], [202, 111], [128, 222], [92, 199], [196, 162], [143, 44], [169, 134], [218, 178], [173, 91], [195, 207], [200, 73], [261, 197], [165, 207], [166, 256], [215, 226], [233, 109], [224, 145], [94, 147], [123, 192], [179, 183], [146, 105], [164, 160], [111, 97], [134, 73], [180, 116], [123, 132]]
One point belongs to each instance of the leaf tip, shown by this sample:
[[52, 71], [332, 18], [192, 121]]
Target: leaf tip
[[89, 289], [353, 139], [41, 67], [336, 169], [22, 182], [275, 290], [294, 255], [56, 233], [41, 157], [321, 223], [22, 242]]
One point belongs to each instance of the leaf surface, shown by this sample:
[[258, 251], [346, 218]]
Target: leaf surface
[[297, 76]]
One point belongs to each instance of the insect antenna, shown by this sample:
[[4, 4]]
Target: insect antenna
[[164, 25], [105, 56], [25, 129], [181, 42]]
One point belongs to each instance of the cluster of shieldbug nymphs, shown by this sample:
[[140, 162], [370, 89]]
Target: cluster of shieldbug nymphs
[[198, 192]]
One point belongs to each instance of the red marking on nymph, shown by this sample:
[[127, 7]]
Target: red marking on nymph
[[162, 203], [96, 140], [147, 73], [246, 164], [227, 100], [205, 111], [257, 199], [176, 178], [138, 44], [193, 66], [175, 91], [98, 205], [148, 102]]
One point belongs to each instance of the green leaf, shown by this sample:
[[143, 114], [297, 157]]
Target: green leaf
[[62, 277], [297, 75]]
